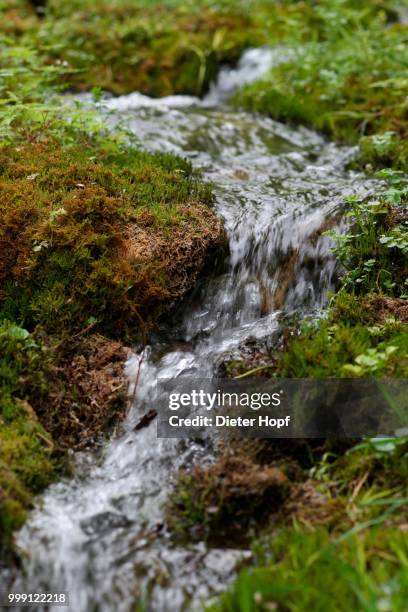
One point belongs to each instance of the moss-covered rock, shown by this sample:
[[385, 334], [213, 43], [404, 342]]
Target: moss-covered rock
[[226, 500], [89, 237]]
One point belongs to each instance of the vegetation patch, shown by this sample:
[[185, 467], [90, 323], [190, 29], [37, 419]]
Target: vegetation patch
[[162, 47], [304, 570], [26, 462], [342, 487], [92, 237], [343, 525], [344, 84], [228, 499], [158, 48], [342, 350], [18, 17]]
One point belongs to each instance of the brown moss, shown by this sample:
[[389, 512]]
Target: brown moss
[[16, 17], [382, 308], [87, 391], [257, 485], [226, 499], [53, 396]]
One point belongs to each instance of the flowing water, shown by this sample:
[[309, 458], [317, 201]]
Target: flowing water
[[100, 535]]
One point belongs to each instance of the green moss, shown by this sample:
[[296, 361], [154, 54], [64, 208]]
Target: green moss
[[26, 464], [158, 48], [87, 235], [163, 47], [382, 462], [332, 349], [383, 150]]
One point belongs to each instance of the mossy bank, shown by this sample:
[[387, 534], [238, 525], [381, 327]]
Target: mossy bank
[[89, 236], [158, 48], [92, 241], [98, 241]]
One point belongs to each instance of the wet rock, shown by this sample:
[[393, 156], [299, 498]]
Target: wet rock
[[103, 522], [251, 354]]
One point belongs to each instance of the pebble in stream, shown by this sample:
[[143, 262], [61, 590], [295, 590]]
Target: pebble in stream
[[100, 535]]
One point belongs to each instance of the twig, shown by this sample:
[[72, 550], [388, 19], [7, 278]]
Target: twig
[[265, 367], [85, 330]]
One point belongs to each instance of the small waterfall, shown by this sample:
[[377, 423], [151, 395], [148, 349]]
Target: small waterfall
[[100, 534]]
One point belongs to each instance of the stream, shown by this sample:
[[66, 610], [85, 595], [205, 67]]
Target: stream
[[100, 534]]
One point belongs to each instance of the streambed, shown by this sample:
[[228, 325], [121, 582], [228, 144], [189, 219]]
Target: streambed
[[100, 535]]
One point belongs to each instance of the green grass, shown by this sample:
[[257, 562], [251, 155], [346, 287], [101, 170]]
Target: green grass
[[360, 563], [303, 571]]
